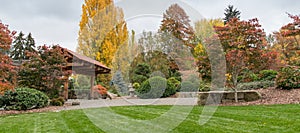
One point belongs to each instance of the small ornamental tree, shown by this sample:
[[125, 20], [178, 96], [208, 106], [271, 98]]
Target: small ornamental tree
[[45, 70], [245, 46], [7, 70], [288, 43]]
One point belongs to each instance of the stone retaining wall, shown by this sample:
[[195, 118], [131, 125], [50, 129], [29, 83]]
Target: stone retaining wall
[[216, 97]]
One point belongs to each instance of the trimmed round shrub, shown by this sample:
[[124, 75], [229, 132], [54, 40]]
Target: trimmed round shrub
[[156, 87], [268, 75], [171, 89], [288, 78], [173, 81], [187, 86], [24, 99], [136, 85]]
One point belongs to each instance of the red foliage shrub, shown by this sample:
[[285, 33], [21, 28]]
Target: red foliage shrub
[[100, 89]]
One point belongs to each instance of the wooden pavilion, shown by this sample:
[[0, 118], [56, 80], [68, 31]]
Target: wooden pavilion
[[80, 64]]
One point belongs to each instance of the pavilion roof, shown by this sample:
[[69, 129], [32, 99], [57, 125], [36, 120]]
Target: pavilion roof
[[81, 64]]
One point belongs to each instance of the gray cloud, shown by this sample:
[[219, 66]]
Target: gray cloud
[[50, 21], [59, 9], [56, 21], [271, 13]]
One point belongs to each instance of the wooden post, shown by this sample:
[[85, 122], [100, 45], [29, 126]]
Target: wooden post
[[66, 86], [92, 85]]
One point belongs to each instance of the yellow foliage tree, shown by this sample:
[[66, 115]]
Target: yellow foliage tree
[[103, 31], [205, 32], [204, 29]]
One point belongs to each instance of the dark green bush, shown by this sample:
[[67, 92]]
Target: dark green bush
[[1, 101], [57, 101], [24, 99], [138, 78], [187, 86], [171, 89], [255, 85], [248, 76], [176, 74], [288, 78], [143, 69], [155, 87], [268, 75], [175, 83]]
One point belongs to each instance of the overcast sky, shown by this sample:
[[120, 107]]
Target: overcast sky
[[56, 21]]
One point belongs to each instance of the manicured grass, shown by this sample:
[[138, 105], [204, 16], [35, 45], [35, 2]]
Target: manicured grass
[[274, 118]]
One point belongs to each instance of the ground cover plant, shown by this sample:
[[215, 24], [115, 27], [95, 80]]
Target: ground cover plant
[[271, 118]]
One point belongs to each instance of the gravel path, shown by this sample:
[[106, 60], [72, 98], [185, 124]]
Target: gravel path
[[269, 96], [129, 102]]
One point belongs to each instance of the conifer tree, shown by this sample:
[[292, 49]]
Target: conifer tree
[[18, 48], [29, 45], [230, 13]]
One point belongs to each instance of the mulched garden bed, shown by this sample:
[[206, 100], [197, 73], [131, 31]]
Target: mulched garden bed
[[273, 96], [46, 109]]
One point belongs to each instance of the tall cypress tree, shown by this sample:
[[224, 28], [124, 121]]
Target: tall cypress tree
[[230, 13], [18, 49]]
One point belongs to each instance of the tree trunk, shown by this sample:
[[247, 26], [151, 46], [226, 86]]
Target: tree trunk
[[234, 78], [235, 96]]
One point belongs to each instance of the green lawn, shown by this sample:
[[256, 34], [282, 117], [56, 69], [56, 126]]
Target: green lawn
[[275, 118]]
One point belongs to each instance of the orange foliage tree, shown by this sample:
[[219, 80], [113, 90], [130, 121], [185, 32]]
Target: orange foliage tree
[[245, 47], [7, 70], [45, 71], [288, 42]]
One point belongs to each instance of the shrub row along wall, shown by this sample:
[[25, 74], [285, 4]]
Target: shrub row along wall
[[225, 97]]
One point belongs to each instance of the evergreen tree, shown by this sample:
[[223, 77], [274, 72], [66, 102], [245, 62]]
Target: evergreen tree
[[120, 83], [29, 45], [18, 49], [230, 13], [21, 46]]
